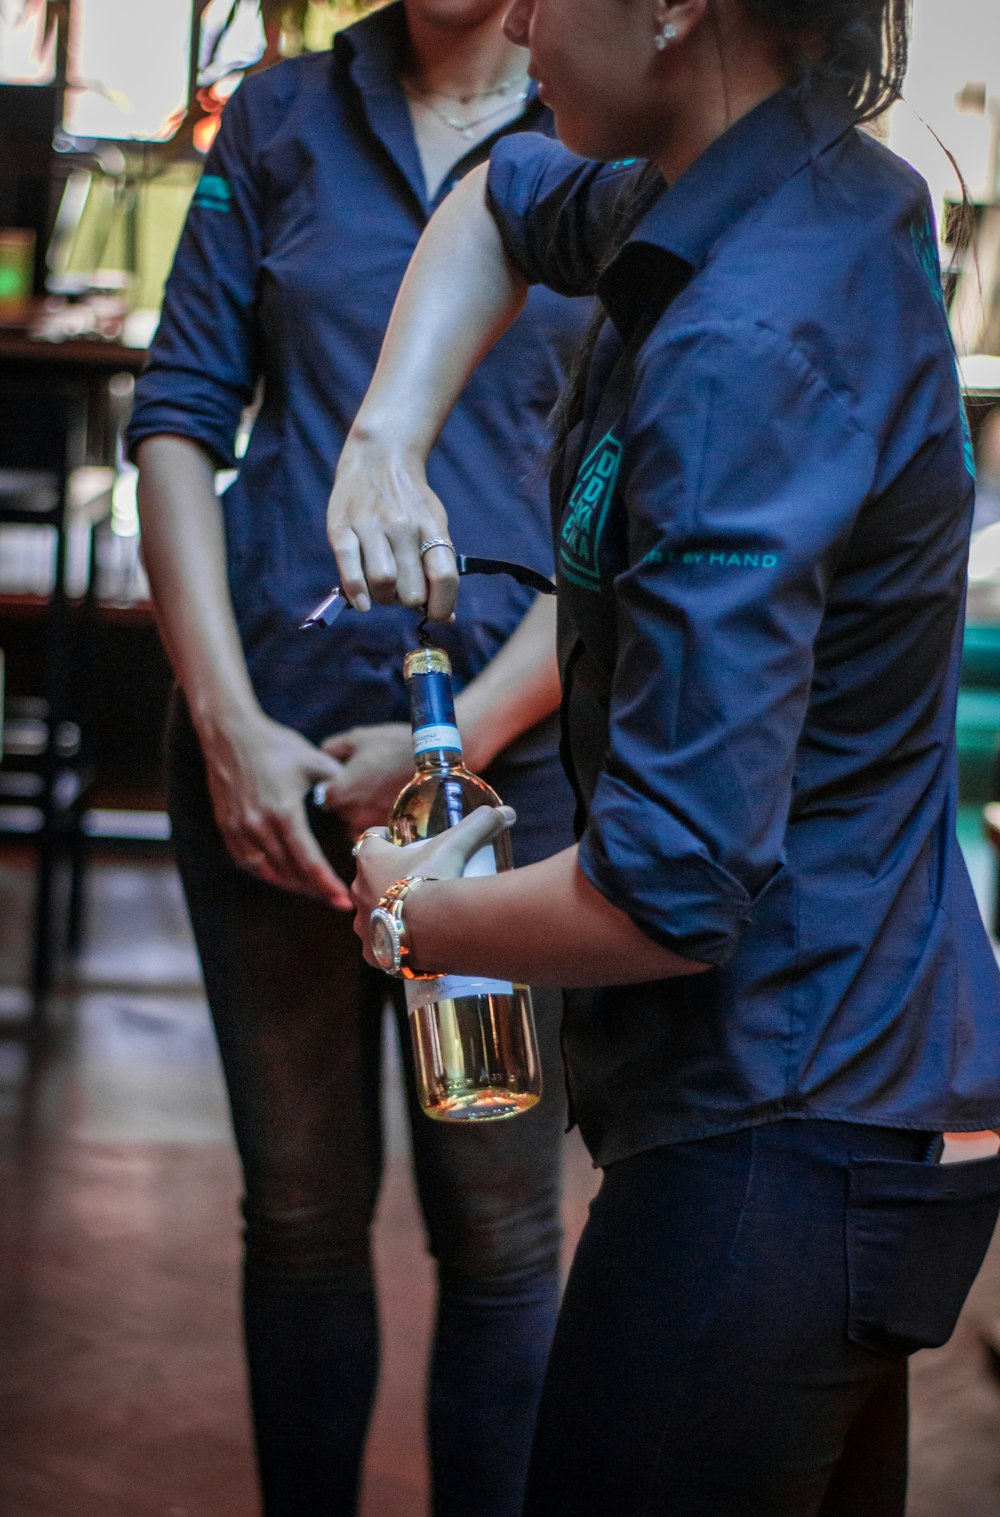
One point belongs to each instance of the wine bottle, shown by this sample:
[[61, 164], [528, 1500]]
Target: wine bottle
[[474, 1040]]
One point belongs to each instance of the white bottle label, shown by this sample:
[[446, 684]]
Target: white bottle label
[[481, 864], [451, 987], [441, 736]]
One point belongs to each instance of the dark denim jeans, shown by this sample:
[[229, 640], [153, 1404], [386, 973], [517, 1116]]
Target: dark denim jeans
[[734, 1333], [298, 1017]]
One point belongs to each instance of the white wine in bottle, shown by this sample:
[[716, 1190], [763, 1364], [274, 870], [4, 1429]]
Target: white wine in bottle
[[474, 1039]]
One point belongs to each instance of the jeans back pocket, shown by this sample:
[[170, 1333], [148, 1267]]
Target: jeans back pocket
[[916, 1237]]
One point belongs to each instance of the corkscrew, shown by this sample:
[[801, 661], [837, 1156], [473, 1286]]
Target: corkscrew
[[326, 613], [425, 636]]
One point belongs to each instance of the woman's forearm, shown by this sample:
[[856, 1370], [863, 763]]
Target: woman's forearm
[[543, 925], [459, 295], [184, 553], [518, 688], [258, 770], [461, 292]]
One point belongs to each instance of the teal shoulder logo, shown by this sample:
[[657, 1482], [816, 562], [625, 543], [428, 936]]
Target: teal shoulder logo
[[587, 513], [926, 250], [213, 193]]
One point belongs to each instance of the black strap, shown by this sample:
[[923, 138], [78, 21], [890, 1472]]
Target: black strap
[[467, 564]]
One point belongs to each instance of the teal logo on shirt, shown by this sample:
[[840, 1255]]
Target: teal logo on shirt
[[926, 251], [587, 513], [715, 556], [213, 193]]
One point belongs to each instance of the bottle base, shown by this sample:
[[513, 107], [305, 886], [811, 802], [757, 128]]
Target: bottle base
[[479, 1106]]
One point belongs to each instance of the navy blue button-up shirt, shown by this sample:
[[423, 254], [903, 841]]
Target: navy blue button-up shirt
[[300, 231], [762, 542]]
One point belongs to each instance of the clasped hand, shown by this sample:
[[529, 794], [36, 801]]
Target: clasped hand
[[444, 857], [258, 774], [374, 763]]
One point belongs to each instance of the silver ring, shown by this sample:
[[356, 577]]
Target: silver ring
[[435, 542], [369, 832]]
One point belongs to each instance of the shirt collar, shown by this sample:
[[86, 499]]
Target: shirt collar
[[675, 237], [374, 48], [372, 52]]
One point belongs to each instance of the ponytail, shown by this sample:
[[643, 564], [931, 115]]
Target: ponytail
[[866, 45]]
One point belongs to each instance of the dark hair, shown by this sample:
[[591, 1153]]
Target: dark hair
[[863, 59], [866, 45], [628, 210]]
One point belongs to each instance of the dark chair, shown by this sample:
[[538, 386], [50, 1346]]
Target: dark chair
[[46, 768]]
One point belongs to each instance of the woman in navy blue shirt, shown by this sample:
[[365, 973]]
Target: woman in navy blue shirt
[[324, 174], [762, 509]]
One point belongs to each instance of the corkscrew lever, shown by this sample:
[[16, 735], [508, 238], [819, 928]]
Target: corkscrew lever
[[326, 613], [468, 564]]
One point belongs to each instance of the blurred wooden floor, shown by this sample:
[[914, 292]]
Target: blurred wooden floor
[[121, 1387]]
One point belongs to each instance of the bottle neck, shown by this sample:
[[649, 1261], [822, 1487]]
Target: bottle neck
[[435, 760], [437, 743]]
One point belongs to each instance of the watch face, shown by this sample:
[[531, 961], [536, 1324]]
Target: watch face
[[384, 941]]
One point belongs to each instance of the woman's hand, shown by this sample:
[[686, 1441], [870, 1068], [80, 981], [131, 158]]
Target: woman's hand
[[258, 778], [374, 764], [380, 863], [380, 511], [460, 294]]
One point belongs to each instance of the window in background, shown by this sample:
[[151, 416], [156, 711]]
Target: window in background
[[232, 41], [128, 70], [953, 90], [27, 42], [952, 105]]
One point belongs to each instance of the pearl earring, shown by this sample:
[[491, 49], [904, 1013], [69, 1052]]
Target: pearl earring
[[664, 37]]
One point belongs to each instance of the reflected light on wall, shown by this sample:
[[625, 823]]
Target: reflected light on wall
[[129, 64]]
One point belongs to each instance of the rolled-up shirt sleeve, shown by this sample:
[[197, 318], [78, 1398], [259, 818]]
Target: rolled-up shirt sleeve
[[202, 367], [744, 475], [553, 209]]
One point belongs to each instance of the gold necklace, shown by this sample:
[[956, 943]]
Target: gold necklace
[[467, 129]]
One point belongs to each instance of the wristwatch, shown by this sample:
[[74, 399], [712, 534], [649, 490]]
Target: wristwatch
[[389, 941]]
